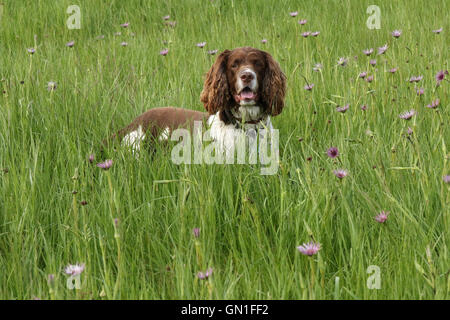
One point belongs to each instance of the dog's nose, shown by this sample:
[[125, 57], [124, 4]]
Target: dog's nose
[[246, 76]]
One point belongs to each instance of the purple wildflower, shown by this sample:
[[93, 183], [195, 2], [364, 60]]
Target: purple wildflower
[[201, 275], [396, 33], [306, 34], [164, 52], [125, 25], [382, 50], [368, 52], [420, 91], [213, 52], [309, 86], [363, 74], [75, 269], [382, 216], [363, 107], [437, 31], [333, 152], [415, 79], [293, 14], [433, 104], [302, 22], [205, 275], [373, 62], [340, 173], [70, 44], [309, 249], [264, 41], [166, 17], [342, 109], [31, 50], [440, 76], [409, 131], [91, 158], [393, 70], [315, 33], [369, 79], [171, 24], [342, 61], [201, 44], [105, 165], [317, 67], [446, 178], [124, 44], [407, 114], [196, 232]]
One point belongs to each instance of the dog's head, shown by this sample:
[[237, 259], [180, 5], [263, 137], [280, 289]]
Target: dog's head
[[243, 78]]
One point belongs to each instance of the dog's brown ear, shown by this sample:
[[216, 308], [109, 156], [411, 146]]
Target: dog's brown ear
[[274, 86], [216, 94]]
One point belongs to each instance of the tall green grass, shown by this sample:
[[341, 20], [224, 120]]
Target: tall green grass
[[249, 224]]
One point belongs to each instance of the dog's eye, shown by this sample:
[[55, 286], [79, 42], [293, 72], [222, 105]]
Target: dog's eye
[[257, 63], [235, 64]]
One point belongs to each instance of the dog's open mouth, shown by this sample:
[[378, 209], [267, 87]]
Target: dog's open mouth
[[246, 94]]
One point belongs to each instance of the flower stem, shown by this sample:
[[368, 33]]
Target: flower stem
[[313, 279]]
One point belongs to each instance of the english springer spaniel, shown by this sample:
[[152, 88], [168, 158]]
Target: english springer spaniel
[[243, 88]]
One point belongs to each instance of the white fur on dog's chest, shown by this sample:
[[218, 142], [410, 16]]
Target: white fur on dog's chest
[[226, 134]]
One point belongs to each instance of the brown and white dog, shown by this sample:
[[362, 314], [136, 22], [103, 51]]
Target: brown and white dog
[[243, 88]]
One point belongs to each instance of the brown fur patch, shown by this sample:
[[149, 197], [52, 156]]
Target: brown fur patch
[[155, 121]]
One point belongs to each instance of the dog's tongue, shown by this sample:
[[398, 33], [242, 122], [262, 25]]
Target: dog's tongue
[[247, 94]]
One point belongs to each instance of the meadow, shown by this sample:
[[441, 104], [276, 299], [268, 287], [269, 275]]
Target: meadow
[[148, 228]]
